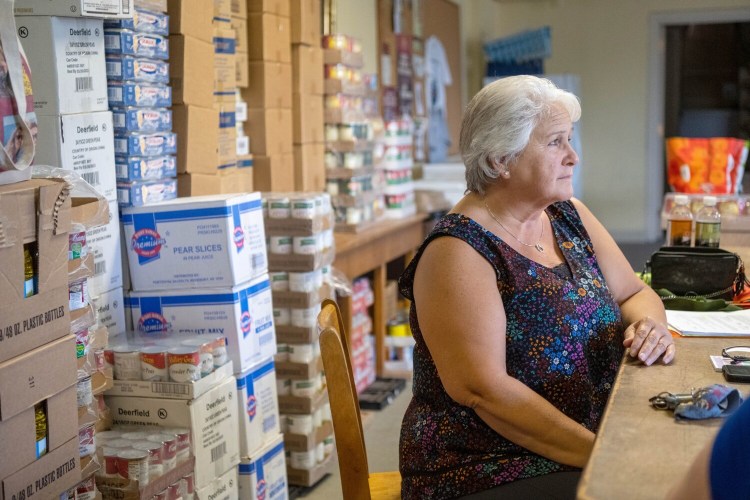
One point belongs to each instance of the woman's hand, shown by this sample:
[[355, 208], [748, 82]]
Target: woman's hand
[[648, 339]]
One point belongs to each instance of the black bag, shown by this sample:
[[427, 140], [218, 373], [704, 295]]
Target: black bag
[[697, 272]]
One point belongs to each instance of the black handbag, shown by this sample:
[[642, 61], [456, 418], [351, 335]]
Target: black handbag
[[697, 272]]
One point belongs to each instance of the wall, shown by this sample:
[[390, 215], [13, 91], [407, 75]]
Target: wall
[[606, 42]]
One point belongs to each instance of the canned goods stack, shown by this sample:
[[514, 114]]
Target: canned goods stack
[[361, 340], [352, 128], [300, 246], [140, 97], [397, 164]]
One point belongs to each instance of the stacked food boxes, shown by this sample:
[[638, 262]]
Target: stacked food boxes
[[140, 97], [242, 75], [199, 269], [269, 94], [397, 164], [38, 417], [307, 96], [300, 233], [350, 157]]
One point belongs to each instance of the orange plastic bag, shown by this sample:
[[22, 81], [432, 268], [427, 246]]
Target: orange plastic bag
[[705, 165]]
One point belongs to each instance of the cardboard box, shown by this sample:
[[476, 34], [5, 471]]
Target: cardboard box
[[297, 263], [89, 211], [277, 7], [237, 181], [192, 18], [291, 226], [220, 239], [242, 69], [117, 9], [307, 72], [273, 173], [211, 418], [307, 120], [83, 143], [66, 57], [243, 313], [31, 208], [170, 390], [289, 334], [270, 85], [270, 131], [258, 407], [19, 431], [80, 269], [309, 477], [104, 243], [263, 475], [191, 80], [302, 300], [227, 153], [239, 25], [36, 375], [306, 442], [309, 167], [198, 131], [299, 405], [238, 8], [48, 477], [306, 22], [115, 486], [299, 371], [268, 38], [110, 309], [224, 487], [222, 11]]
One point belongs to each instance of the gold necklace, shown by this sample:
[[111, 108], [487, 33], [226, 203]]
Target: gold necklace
[[538, 246]]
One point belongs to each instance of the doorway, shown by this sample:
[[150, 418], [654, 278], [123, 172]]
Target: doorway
[[670, 34]]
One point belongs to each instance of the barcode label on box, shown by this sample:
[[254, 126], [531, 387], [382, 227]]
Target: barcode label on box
[[100, 267], [218, 451], [114, 69], [91, 177], [169, 388], [84, 84]]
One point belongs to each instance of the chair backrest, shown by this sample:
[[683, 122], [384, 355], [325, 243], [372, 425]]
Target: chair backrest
[[342, 393]]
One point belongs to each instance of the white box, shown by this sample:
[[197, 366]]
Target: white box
[[221, 488], [258, 407], [66, 56], [104, 243], [170, 390], [243, 313], [81, 142], [110, 308], [212, 420], [204, 241], [263, 476], [75, 8]]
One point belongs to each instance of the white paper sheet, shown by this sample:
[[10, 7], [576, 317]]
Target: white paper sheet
[[710, 324]]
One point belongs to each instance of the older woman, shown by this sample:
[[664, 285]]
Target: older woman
[[521, 317]]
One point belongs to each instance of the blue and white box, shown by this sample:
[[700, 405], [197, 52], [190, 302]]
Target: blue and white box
[[259, 406], [243, 313], [132, 43], [139, 193], [156, 144], [263, 475], [144, 21], [143, 120], [138, 168], [142, 94], [137, 69], [203, 241]]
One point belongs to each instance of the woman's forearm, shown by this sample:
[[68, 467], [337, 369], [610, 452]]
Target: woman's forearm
[[644, 303]]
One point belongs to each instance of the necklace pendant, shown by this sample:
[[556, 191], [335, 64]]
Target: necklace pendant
[[539, 247]]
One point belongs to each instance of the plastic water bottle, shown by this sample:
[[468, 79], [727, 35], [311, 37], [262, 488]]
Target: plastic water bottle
[[708, 224], [680, 222]]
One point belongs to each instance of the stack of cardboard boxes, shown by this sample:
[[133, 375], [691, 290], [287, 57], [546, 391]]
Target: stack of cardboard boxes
[[307, 96], [242, 65], [203, 78], [269, 94], [38, 417]]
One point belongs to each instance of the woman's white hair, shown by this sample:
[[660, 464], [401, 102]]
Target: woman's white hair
[[499, 121]]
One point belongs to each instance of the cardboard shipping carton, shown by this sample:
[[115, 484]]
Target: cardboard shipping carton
[[274, 173], [37, 213], [48, 477], [277, 7], [307, 78], [116, 9], [258, 407], [192, 18], [190, 70], [268, 38], [66, 56], [104, 244], [237, 181], [223, 487], [263, 475], [197, 130], [306, 22], [309, 167], [242, 69], [270, 85], [307, 120], [270, 131], [211, 418]]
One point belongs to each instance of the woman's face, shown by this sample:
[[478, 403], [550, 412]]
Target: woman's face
[[545, 168]]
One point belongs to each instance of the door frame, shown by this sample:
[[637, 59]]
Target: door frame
[[658, 22]]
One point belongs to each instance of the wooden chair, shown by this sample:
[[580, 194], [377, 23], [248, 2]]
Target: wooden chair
[[357, 483]]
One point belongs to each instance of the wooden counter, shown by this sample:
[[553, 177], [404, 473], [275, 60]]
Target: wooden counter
[[370, 251], [640, 452]]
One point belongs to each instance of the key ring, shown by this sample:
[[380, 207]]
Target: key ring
[[668, 401]]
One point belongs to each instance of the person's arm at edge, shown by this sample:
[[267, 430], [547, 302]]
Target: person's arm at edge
[[642, 309], [462, 320]]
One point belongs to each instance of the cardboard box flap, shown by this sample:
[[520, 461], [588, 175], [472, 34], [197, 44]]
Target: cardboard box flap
[[90, 212], [54, 207]]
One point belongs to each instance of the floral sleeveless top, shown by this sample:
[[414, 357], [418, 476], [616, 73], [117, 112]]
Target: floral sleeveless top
[[563, 340]]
